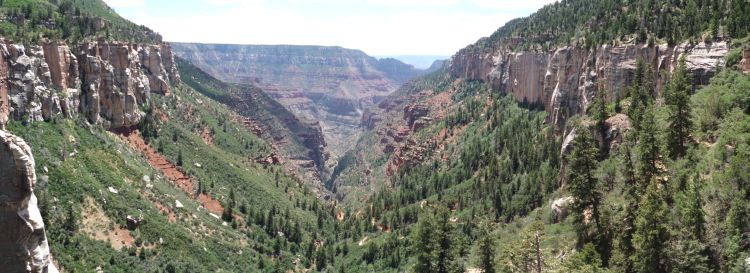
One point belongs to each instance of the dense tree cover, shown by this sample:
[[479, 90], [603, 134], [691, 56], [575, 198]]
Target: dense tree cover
[[29, 21], [595, 22]]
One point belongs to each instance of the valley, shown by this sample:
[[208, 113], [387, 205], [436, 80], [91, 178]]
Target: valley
[[328, 85], [588, 136]]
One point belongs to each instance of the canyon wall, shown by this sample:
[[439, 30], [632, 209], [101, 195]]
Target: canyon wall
[[107, 82], [565, 80], [23, 237], [329, 85]]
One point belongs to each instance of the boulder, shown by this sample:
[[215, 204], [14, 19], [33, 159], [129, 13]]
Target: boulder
[[745, 63], [25, 247], [560, 208], [133, 222]]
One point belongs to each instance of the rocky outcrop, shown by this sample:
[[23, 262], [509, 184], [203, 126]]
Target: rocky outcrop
[[745, 63], [565, 80], [414, 112], [4, 92], [106, 81], [560, 208], [25, 247]]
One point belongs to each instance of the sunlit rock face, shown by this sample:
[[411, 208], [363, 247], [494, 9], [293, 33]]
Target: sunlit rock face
[[564, 80], [108, 82], [23, 239]]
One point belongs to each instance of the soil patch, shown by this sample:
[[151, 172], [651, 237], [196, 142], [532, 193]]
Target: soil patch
[[99, 227]]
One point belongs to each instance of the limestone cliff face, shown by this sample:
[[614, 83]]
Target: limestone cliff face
[[330, 85], [25, 247], [107, 82], [745, 63], [565, 80]]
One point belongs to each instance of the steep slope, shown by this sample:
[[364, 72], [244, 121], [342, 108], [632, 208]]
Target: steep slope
[[27, 21], [300, 142], [564, 53], [141, 176], [331, 85], [464, 155]]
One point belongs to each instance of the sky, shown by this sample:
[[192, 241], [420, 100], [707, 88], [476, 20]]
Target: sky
[[378, 27]]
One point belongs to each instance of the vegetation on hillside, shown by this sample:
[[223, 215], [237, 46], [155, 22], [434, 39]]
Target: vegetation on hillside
[[29, 21], [595, 22]]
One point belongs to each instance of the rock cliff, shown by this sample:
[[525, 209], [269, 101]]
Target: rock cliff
[[565, 80], [745, 63], [25, 247], [108, 82], [330, 85]]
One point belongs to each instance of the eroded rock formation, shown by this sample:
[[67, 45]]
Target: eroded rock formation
[[745, 63], [330, 85], [106, 81], [565, 80], [25, 247]]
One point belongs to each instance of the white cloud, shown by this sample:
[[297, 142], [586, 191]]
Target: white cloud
[[222, 2], [125, 3], [512, 5], [439, 30]]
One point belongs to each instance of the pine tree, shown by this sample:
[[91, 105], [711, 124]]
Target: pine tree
[[623, 246], [641, 93], [651, 234], [736, 225], [688, 252], [444, 230], [179, 158], [424, 244], [486, 249], [582, 184], [648, 147], [601, 116], [677, 98]]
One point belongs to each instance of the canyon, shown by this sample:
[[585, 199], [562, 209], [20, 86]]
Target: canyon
[[331, 86]]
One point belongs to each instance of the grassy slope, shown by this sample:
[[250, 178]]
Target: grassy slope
[[83, 161]]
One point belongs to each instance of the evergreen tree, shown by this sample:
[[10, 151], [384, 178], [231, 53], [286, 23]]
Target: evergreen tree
[[736, 224], [601, 115], [623, 249], [582, 184], [486, 249], [648, 147], [424, 244], [677, 98], [651, 234], [688, 252], [444, 230], [641, 93]]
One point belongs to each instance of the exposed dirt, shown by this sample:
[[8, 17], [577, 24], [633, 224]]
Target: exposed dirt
[[175, 175], [171, 216], [207, 137], [211, 204], [99, 227]]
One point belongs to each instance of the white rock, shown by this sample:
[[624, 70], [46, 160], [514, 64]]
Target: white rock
[[178, 204], [197, 165], [146, 179], [112, 190]]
